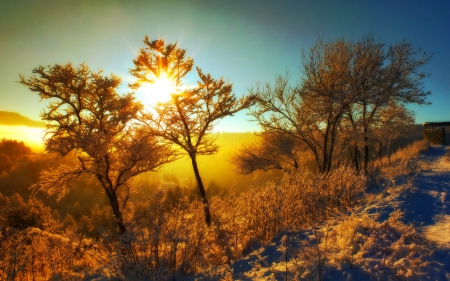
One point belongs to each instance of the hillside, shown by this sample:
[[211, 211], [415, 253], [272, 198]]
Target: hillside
[[215, 169], [389, 225], [15, 119], [401, 233]]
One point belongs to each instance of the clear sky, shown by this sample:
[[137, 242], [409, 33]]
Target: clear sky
[[243, 41]]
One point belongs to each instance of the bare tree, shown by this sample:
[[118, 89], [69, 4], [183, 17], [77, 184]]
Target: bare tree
[[393, 121], [311, 111], [343, 87], [189, 117], [381, 75], [274, 151], [90, 122]]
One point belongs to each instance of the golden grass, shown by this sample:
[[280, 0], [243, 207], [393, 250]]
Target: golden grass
[[163, 242]]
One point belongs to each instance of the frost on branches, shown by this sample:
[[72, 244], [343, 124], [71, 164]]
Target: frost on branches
[[94, 126]]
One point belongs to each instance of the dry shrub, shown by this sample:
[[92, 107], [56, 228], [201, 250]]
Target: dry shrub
[[359, 247], [298, 200], [402, 167], [170, 239], [382, 250], [162, 243], [165, 242], [407, 153], [33, 254], [411, 151]]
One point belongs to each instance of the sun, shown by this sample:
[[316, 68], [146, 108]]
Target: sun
[[161, 90]]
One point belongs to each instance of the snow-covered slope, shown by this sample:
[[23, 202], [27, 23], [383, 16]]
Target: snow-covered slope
[[401, 233]]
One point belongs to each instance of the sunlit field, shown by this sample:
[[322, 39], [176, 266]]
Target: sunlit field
[[305, 226], [33, 137]]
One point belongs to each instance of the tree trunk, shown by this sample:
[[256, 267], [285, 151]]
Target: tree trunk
[[325, 150], [202, 190], [366, 153], [112, 196], [380, 146], [341, 153], [389, 150], [366, 139], [356, 157], [319, 167], [332, 142]]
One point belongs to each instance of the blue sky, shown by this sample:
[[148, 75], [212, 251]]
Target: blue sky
[[242, 41]]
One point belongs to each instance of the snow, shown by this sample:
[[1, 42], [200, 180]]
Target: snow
[[403, 233], [439, 232]]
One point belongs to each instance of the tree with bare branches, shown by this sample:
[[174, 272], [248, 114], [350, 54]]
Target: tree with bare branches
[[337, 101], [393, 121], [274, 151], [189, 117], [90, 123], [312, 110], [381, 75]]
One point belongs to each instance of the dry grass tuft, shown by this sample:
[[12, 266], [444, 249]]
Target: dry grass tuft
[[171, 240]]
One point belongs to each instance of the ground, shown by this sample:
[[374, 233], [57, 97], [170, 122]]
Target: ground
[[422, 207]]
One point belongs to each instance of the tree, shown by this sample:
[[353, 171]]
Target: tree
[[393, 121], [189, 117], [380, 76], [274, 151], [19, 214], [311, 111], [88, 121], [343, 86], [5, 163], [13, 148], [10, 150]]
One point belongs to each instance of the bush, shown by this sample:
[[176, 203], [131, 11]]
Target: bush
[[14, 148], [167, 236], [164, 242], [18, 214], [5, 163]]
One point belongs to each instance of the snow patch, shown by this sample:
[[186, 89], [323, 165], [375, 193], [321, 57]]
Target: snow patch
[[440, 231]]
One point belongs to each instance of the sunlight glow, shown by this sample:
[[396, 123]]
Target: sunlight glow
[[32, 137], [160, 91]]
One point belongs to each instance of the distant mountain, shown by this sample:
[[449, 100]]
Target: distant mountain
[[15, 119]]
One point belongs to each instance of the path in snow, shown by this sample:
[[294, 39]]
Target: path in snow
[[429, 206]]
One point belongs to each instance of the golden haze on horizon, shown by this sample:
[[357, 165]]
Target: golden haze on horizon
[[32, 137]]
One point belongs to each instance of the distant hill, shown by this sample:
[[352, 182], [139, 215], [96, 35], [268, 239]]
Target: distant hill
[[15, 119]]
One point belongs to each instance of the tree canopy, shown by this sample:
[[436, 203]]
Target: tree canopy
[[274, 151], [88, 121], [189, 117], [14, 148], [344, 88]]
